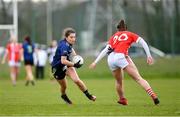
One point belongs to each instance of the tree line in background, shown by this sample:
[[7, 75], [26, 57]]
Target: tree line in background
[[157, 21]]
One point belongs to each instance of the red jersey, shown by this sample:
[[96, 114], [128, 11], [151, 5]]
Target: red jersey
[[14, 51], [122, 40]]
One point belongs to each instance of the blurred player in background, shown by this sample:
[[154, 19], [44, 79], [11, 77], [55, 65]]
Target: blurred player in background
[[62, 66], [119, 61], [51, 52], [40, 58], [13, 52], [28, 50]]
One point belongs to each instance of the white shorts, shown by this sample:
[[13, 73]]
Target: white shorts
[[117, 60], [14, 64]]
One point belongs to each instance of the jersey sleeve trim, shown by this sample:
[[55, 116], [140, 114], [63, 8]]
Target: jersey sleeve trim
[[138, 39]]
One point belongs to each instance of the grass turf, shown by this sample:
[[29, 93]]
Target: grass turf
[[44, 98]]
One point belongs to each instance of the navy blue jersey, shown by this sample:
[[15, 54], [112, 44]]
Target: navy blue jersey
[[63, 49], [28, 51]]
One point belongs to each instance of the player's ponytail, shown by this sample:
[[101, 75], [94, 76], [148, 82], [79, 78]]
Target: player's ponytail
[[122, 26]]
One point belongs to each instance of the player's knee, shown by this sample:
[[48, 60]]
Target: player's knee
[[77, 81], [140, 80], [119, 81], [137, 79], [63, 87]]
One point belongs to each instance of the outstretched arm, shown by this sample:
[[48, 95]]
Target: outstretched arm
[[4, 57], [146, 49], [100, 56]]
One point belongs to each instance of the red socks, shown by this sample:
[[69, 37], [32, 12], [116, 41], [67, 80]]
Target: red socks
[[151, 93]]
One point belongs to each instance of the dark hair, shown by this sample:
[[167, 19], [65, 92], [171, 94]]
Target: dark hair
[[68, 31], [27, 39], [122, 26]]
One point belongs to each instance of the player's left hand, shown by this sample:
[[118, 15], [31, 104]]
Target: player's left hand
[[77, 65], [150, 60], [92, 65]]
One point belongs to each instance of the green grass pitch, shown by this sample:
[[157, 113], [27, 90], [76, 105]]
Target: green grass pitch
[[44, 98]]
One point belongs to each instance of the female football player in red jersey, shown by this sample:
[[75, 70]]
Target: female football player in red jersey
[[14, 53], [119, 61]]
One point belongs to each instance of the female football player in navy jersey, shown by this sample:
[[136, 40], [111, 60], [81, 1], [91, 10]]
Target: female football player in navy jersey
[[62, 66], [28, 51]]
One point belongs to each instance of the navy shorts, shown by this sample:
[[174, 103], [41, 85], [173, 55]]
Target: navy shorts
[[59, 73], [29, 62]]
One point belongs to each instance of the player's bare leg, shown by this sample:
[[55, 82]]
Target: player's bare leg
[[63, 86], [74, 76], [13, 76], [118, 74], [29, 75], [16, 71], [133, 72]]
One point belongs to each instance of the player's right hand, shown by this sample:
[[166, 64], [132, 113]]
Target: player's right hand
[[3, 61], [92, 65]]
